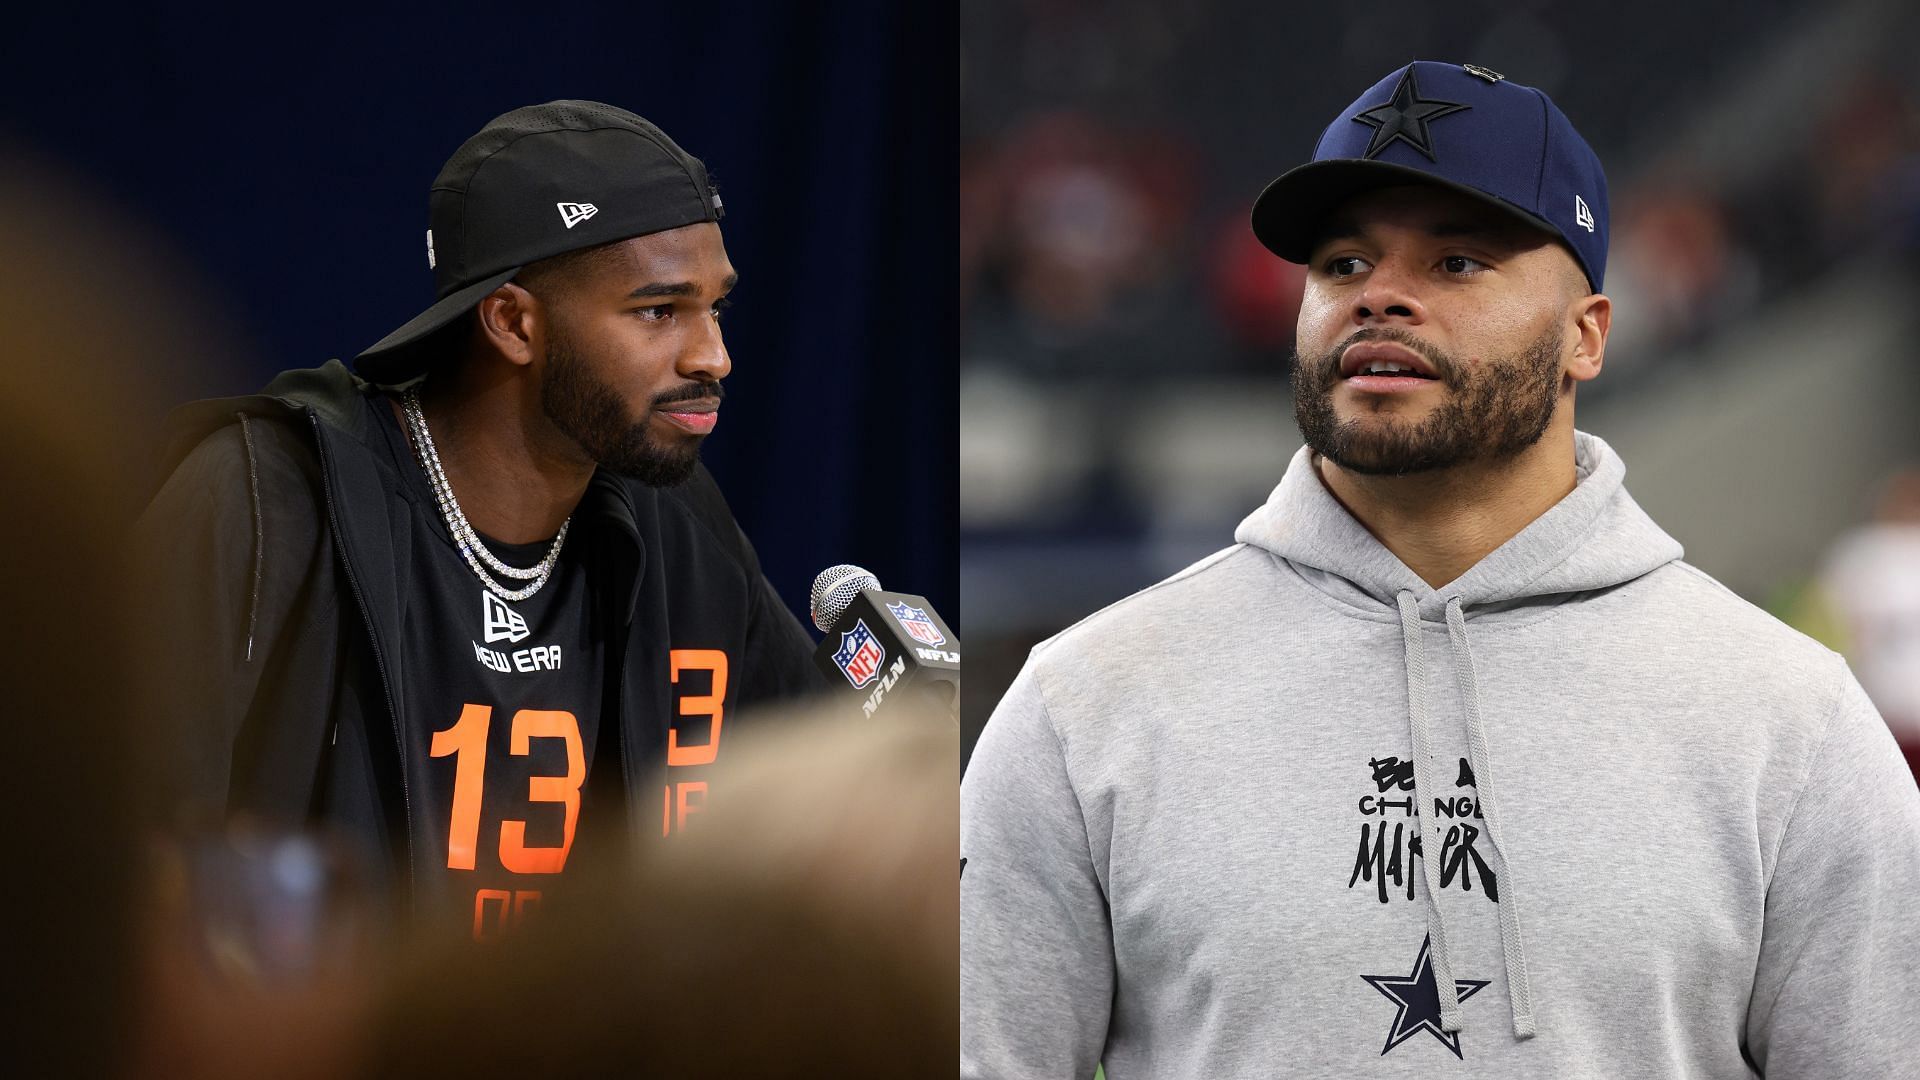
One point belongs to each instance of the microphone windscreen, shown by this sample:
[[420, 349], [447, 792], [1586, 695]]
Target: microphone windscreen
[[834, 590]]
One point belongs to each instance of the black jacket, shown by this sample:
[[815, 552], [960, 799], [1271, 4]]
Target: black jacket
[[272, 563]]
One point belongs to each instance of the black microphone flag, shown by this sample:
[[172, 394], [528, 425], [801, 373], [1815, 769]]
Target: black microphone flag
[[888, 646]]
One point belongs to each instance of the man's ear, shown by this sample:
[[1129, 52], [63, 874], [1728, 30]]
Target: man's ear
[[508, 320], [1592, 317]]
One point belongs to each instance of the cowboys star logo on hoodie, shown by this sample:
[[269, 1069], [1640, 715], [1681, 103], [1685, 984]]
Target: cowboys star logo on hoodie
[[1417, 999]]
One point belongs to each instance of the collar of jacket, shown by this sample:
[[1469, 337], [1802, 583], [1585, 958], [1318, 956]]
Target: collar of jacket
[[372, 531]]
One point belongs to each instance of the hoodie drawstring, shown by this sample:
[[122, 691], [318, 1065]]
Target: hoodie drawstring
[[1419, 724], [1423, 786], [1519, 992]]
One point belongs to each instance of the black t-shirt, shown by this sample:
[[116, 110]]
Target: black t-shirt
[[500, 705]]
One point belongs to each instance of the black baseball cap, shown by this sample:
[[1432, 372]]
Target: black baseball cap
[[1458, 126], [537, 182]]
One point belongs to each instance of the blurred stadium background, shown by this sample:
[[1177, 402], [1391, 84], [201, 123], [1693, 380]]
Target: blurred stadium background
[[1125, 339]]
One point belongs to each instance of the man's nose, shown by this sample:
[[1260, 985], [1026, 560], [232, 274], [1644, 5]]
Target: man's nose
[[705, 356], [1390, 295]]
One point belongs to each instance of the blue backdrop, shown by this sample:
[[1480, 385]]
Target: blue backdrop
[[287, 158]]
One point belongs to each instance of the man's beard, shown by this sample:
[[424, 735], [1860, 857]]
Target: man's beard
[[592, 414], [1489, 415]]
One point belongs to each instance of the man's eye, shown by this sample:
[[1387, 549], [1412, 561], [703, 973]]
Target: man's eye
[[720, 307], [1461, 264], [656, 313], [1346, 265]]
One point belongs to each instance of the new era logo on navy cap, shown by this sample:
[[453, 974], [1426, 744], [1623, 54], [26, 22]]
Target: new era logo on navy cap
[[1462, 127]]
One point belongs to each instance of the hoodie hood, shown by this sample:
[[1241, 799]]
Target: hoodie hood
[[1594, 538]]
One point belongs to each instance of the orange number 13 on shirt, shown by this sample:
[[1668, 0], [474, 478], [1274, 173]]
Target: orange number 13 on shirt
[[466, 740]]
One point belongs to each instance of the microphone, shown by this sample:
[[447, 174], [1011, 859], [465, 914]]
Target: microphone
[[884, 646]]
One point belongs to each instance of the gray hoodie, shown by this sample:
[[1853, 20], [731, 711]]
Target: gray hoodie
[[1674, 838]]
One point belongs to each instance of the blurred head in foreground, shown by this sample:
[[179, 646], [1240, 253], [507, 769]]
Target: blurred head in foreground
[[102, 317], [806, 928]]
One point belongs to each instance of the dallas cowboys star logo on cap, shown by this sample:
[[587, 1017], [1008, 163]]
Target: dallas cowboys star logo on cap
[[1418, 997], [1405, 116]]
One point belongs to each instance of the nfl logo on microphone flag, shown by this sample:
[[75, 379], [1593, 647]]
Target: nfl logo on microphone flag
[[915, 622], [859, 656], [892, 646]]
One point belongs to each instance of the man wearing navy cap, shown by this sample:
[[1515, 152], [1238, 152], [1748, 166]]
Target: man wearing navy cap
[[480, 599], [1450, 762]]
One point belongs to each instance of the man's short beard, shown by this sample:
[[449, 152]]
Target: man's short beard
[[592, 414], [1489, 415]]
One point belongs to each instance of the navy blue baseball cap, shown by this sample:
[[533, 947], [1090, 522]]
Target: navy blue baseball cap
[[1457, 126]]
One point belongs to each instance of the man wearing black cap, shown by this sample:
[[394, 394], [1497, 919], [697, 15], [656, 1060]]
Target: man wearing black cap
[[1450, 763], [483, 596]]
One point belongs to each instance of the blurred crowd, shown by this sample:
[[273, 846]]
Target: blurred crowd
[[1104, 237], [1125, 339], [1088, 249]]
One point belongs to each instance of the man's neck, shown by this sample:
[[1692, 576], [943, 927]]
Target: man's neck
[[517, 480], [1441, 523]]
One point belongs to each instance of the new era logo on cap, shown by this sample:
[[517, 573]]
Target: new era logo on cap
[[573, 213], [1582, 215]]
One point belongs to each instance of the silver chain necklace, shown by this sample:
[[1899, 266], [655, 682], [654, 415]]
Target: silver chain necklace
[[463, 535]]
